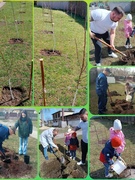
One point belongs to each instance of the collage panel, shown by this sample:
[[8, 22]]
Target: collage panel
[[112, 90], [16, 26], [112, 33], [63, 143], [112, 147], [18, 142], [60, 68]]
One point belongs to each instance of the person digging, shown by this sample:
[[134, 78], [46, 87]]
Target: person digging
[[5, 132]]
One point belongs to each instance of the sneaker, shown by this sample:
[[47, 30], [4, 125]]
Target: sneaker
[[126, 46], [98, 64], [81, 163], [73, 158], [130, 46], [70, 157], [109, 175], [113, 55], [46, 158]]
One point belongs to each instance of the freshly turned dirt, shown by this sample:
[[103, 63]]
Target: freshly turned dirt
[[16, 41], [47, 52], [128, 173], [114, 93], [16, 168], [48, 32], [129, 58], [6, 99], [19, 22]]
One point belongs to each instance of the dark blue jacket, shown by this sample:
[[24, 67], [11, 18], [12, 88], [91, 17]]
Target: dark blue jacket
[[101, 84], [4, 133], [107, 153]]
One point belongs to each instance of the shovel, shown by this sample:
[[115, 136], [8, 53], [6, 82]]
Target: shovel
[[5, 160], [110, 46], [61, 159]]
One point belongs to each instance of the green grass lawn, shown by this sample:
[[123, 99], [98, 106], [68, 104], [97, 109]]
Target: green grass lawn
[[16, 59], [99, 131], [119, 44], [61, 72], [94, 98]]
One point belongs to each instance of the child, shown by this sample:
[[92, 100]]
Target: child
[[116, 131], [107, 154], [129, 90], [74, 144], [67, 140], [128, 30]]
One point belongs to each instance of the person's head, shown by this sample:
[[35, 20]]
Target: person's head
[[55, 132], [74, 135], [116, 14], [12, 130], [117, 125], [24, 114], [116, 142], [107, 71], [127, 84], [69, 130], [129, 17], [83, 114]]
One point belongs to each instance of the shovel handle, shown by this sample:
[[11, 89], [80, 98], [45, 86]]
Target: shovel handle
[[110, 96], [109, 46]]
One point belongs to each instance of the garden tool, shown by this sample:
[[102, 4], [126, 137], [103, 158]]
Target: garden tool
[[112, 103], [109, 46], [6, 160], [60, 159]]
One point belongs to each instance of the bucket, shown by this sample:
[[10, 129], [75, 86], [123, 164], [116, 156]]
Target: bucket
[[26, 159], [119, 167], [128, 98]]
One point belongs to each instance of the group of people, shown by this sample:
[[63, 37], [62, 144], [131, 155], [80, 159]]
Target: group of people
[[103, 26], [71, 140], [25, 128], [102, 88], [113, 147]]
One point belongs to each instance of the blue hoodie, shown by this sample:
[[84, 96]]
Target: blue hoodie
[[4, 133]]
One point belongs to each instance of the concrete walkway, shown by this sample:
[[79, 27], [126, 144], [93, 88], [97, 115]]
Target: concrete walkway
[[2, 4]]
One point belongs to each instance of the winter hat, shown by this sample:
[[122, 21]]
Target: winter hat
[[13, 128], [129, 17], [115, 141], [117, 125], [69, 130], [74, 134]]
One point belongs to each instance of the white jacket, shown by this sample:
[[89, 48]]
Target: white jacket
[[46, 138]]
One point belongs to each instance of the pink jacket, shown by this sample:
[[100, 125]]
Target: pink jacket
[[127, 28], [67, 138], [120, 149]]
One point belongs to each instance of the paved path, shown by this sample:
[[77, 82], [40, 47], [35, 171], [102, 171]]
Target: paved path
[[2, 4]]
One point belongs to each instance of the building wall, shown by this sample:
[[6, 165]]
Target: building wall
[[125, 5], [54, 5]]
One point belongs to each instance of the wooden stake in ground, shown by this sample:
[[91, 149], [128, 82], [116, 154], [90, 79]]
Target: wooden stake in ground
[[31, 75], [43, 82]]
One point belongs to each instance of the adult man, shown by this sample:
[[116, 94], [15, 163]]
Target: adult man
[[103, 21], [84, 141], [130, 90], [101, 90], [46, 139], [4, 134]]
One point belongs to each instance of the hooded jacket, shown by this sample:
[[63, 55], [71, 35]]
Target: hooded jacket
[[101, 84], [4, 133], [107, 153]]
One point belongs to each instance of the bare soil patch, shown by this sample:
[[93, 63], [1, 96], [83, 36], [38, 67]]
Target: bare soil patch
[[47, 52], [16, 41]]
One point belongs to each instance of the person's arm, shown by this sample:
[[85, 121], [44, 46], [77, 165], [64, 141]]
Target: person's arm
[[108, 158], [30, 126], [16, 124], [112, 38], [50, 141]]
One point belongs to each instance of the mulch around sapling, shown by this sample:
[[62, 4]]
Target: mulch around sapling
[[16, 41], [46, 52], [19, 95], [16, 168]]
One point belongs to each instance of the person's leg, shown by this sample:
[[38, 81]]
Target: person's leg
[[101, 103], [71, 154], [84, 148], [105, 102], [20, 145], [128, 41], [45, 152], [107, 167], [98, 49], [106, 38], [25, 145]]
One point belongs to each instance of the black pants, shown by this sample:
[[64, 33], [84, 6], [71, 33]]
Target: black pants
[[102, 101], [128, 41], [98, 45], [84, 148]]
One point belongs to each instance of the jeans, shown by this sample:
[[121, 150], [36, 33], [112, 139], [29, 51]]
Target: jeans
[[107, 168], [45, 151], [128, 41], [102, 101], [23, 143], [98, 45], [84, 148], [73, 153]]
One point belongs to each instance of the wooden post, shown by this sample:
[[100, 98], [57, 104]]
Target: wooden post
[[43, 83], [31, 77]]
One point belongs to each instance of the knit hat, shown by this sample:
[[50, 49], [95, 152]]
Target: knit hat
[[117, 125], [74, 134], [69, 130], [129, 17], [115, 141]]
